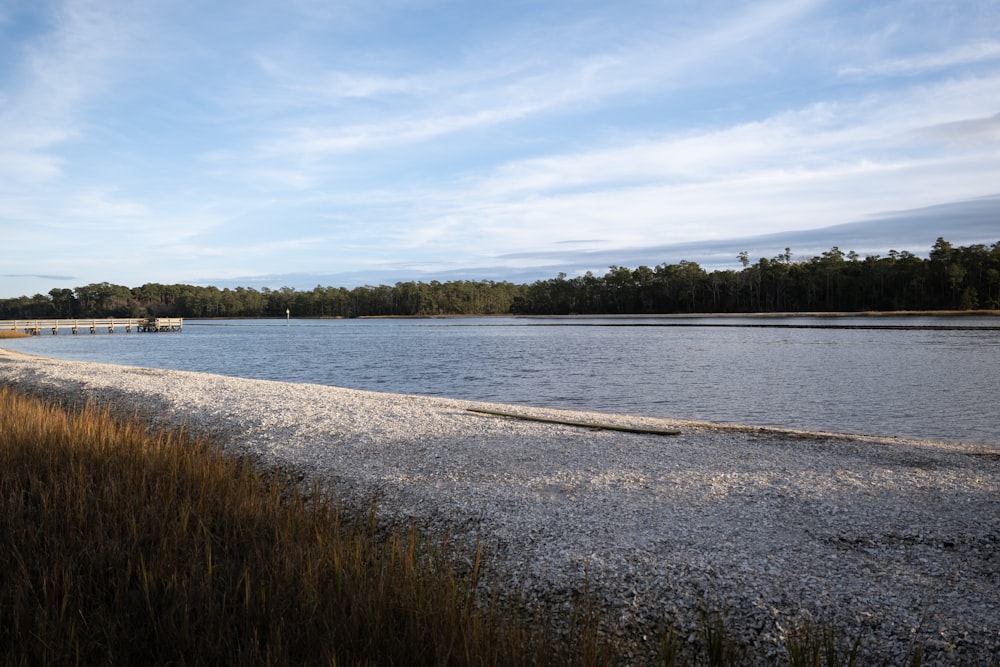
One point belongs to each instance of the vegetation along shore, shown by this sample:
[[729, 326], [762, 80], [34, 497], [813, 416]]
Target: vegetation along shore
[[125, 546], [950, 278], [717, 545]]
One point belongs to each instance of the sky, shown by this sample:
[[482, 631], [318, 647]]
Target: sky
[[271, 143]]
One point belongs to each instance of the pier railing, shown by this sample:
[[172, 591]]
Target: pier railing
[[93, 325]]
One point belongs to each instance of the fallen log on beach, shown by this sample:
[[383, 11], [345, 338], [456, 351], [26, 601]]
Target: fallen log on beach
[[591, 425]]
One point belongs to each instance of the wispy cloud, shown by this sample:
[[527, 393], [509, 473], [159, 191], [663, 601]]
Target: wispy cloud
[[58, 74], [976, 131], [965, 54], [825, 164], [42, 276], [822, 138], [486, 90]]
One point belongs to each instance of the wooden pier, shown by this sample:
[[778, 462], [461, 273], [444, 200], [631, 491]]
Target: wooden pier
[[127, 324]]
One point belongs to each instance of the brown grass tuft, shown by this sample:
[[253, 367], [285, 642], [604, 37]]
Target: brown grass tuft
[[130, 548]]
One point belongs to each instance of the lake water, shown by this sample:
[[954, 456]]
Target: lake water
[[910, 377]]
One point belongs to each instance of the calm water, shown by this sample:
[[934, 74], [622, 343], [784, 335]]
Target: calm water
[[910, 382]]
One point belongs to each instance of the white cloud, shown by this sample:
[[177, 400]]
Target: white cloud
[[484, 90], [964, 54], [59, 72], [975, 131], [818, 137], [817, 166]]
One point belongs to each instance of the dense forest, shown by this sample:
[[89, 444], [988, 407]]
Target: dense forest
[[950, 278]]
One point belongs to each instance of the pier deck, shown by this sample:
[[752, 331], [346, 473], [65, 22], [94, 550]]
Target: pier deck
[[93, 325]]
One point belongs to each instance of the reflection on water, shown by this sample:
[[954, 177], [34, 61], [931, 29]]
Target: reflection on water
[[922, 381]]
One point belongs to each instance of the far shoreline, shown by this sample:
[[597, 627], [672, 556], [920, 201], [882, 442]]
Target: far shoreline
[[756, 315]]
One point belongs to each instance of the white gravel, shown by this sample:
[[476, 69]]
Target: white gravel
[[767, 528]]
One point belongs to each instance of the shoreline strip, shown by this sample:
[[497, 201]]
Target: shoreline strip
[[763, 527]]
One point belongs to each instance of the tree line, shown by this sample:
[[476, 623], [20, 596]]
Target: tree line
[[950, 278]]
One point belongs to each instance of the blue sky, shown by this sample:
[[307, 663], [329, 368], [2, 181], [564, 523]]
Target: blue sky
[[304, 142]]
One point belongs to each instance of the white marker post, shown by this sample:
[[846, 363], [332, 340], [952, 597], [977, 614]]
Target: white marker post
[[288, 316]]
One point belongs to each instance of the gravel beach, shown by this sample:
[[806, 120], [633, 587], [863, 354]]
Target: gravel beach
[[766, 528]]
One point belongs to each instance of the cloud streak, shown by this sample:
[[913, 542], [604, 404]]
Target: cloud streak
[[965, 54], [481, 94], [58, 73]]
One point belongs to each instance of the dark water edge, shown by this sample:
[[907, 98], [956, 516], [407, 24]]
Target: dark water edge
[[920, 377]]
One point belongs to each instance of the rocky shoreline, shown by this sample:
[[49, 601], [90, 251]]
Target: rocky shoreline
[[768, 529]]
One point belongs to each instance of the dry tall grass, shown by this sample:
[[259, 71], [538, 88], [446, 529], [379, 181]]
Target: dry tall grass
[[122, 547]]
